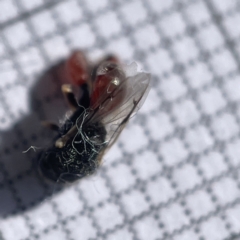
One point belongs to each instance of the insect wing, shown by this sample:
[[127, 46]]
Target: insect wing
[[135, 89]]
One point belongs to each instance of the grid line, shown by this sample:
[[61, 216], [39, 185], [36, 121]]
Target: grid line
[[151, 199]]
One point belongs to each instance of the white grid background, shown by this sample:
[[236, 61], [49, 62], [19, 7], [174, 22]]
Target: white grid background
[[174, 173]]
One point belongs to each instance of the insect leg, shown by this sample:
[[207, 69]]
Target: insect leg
[[69, 95], [51, 125], [84, 100]]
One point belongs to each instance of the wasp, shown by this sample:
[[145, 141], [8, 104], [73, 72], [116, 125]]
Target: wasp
[[108, 94]]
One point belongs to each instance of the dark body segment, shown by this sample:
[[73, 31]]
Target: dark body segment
[[79, 157]]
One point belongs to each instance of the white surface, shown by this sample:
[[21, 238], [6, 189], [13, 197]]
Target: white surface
[[174, 172]]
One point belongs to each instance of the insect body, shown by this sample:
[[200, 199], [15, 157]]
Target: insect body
[[109, 95]]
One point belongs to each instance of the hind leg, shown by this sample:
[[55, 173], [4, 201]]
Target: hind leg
[[50, 125], [69, 96]]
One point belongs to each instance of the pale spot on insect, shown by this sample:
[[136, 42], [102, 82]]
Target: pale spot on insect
[[115, 81], [59, 143]]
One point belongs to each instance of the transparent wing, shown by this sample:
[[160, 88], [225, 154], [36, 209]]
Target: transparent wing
[[137, 92], [132, 90]]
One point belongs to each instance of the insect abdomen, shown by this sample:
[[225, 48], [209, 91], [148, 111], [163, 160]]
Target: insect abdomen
[[78, 158]]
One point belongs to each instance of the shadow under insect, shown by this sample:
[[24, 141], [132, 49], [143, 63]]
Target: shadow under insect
[[107, 98], [71, 152], [21, 185]]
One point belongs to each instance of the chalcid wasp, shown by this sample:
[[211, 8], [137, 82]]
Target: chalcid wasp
[[102, 98]]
